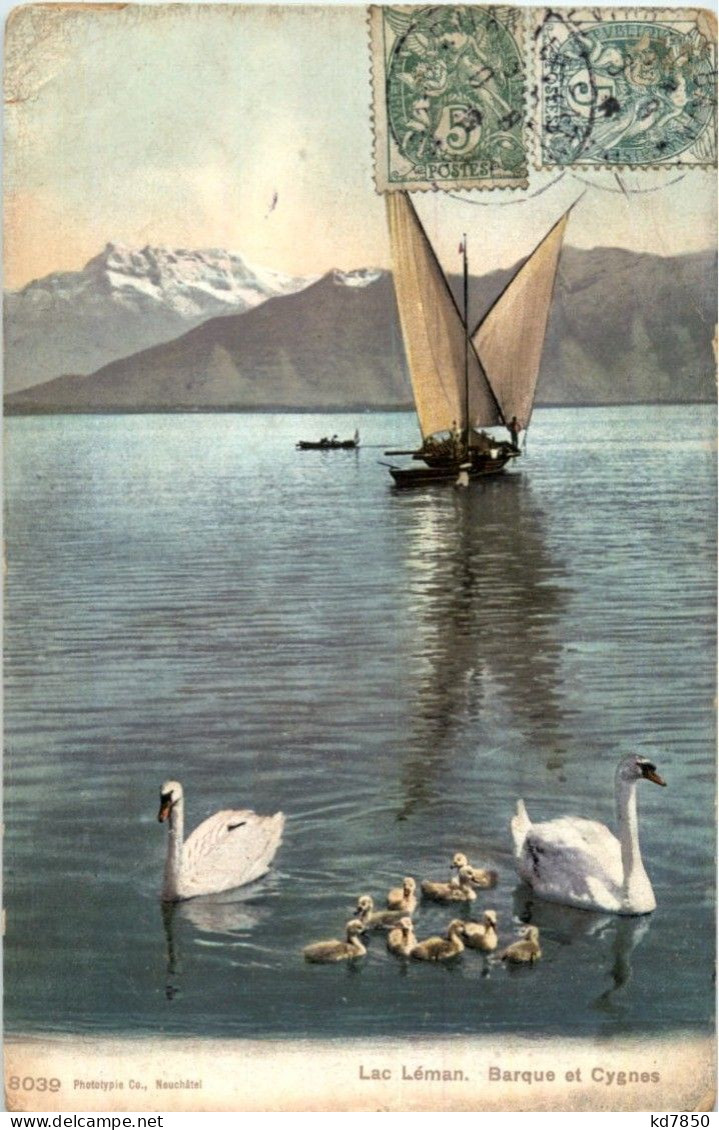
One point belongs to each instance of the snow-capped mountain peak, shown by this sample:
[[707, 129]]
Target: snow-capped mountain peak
[[125, 299], [193, 283], [361, 277]]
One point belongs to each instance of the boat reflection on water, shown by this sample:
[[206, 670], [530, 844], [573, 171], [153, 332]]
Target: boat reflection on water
[[484, 597], [619, 935], [225, 916]]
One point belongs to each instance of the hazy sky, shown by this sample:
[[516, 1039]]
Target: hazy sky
[[176, 125]]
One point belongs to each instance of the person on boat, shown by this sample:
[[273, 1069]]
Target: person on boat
[[455, 436], [430, 448], [356, 437], [514, 427]]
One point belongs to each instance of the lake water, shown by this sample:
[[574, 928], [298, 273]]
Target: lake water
[[189, 597]]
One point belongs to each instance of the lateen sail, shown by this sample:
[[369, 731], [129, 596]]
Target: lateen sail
[[433, 330], [510, 337]]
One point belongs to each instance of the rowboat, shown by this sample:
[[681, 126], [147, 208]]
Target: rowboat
[[333, 444]]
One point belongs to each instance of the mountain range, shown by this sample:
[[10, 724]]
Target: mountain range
[[124, 300], [624, 328]]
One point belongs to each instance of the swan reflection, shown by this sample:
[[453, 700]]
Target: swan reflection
[[229, 916], [567, 925], [217, 918], [628, 933]]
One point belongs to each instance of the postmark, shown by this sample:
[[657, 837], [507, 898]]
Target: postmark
[[449, 96], [624, 88]]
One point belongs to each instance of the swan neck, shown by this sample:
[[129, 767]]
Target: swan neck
[[175, 839], [629, 830]]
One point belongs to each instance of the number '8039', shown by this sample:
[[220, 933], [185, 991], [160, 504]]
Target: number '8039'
[[33, 1083]]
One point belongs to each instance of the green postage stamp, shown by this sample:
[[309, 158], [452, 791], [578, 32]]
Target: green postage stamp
[[449, 94], [610, 87], [622, 87]]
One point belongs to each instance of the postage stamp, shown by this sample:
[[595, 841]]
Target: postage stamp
[[449, 91], [631, 88]]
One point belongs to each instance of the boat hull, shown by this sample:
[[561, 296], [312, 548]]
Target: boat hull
[[444, 473], [341, 445]]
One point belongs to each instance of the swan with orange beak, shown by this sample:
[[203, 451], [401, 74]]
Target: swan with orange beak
[[229, 849]]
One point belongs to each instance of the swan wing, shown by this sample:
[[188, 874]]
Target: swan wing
[[586, 835], [574, 861], [229, 849], [520, 825]]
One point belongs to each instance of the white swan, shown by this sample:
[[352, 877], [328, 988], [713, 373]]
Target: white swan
[[579, 862], [227, 850]]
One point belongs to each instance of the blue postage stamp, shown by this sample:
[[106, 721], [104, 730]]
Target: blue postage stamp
[[449, 97], [625, 87]]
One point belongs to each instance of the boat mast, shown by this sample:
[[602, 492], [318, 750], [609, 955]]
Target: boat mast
[[466, 346]]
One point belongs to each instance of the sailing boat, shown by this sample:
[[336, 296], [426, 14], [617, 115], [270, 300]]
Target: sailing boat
[[465, 382]]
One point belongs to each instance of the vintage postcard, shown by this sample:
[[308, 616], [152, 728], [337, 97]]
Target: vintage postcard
[[360, 596]]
